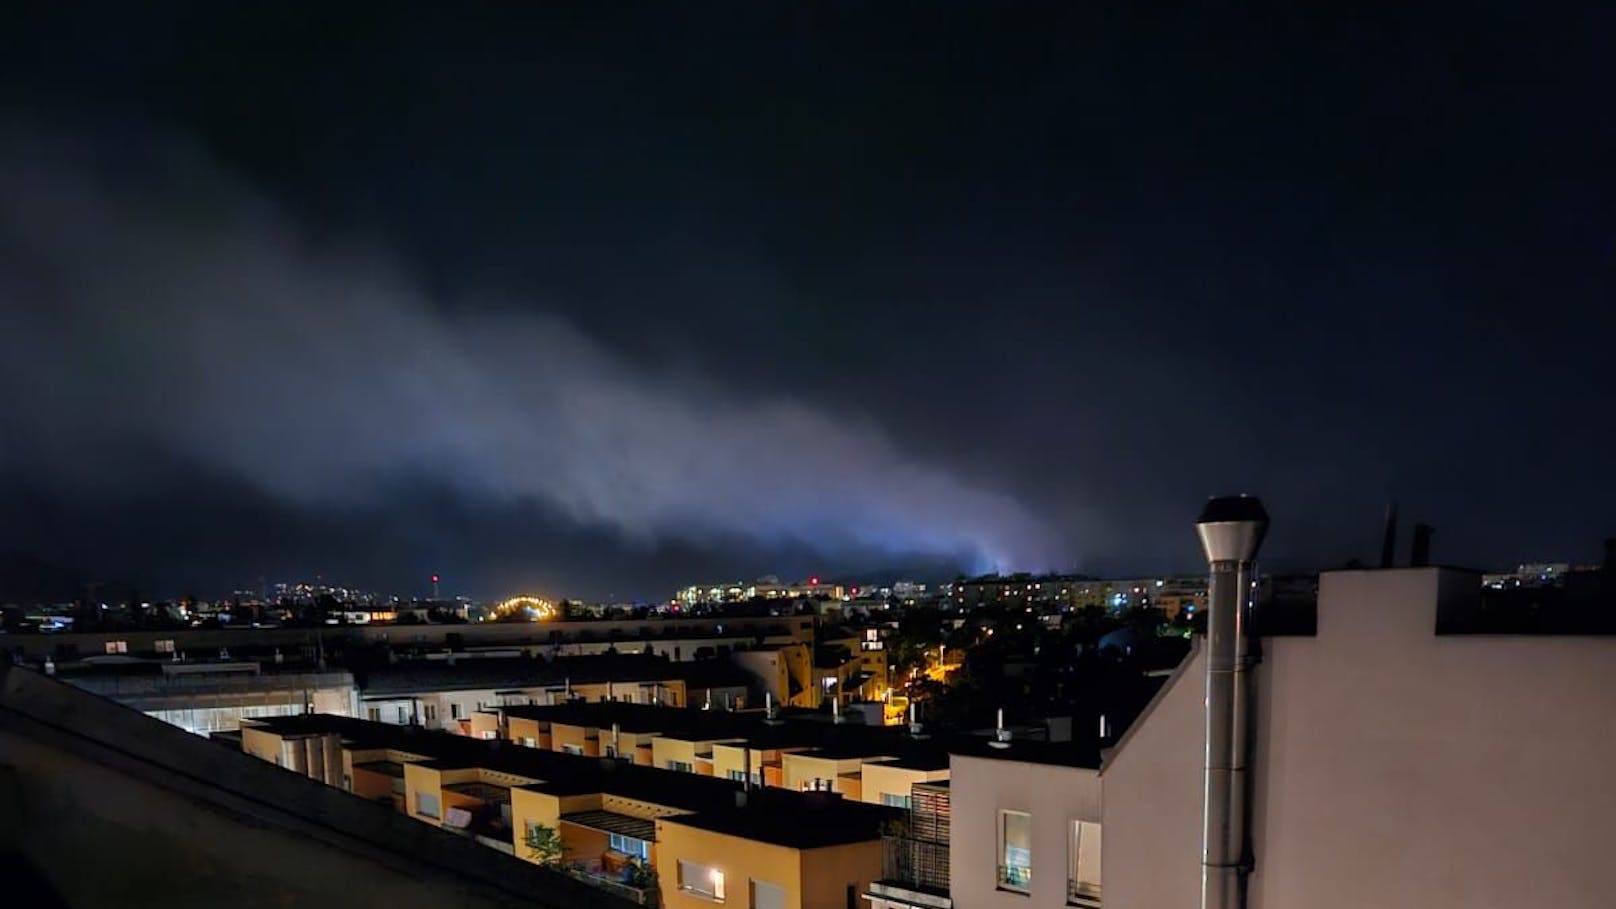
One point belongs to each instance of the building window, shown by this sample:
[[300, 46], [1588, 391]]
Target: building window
[[628, 845], [400, 715], [768, 896], [347, 782], [530, 742], [701, 880], [165, 646], [739, 776], [431, 711], [681, 766], [426, 804], [892, 800], [1015, 850], [117, 647], [454, 711], [374, 714], [1083, 864], [572, 749]]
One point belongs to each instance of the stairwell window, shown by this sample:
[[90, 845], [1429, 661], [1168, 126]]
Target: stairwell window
[[1015, 851]]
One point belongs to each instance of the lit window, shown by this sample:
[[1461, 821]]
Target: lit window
[[701, 880], [1015, 850], [572, 749], [681, 766], [630, 846], [892, 800], [1083, 864]]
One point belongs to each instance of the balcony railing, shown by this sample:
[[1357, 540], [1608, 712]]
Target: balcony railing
[[1082, 893], [600, 878], [918, 862], [1015, 877]]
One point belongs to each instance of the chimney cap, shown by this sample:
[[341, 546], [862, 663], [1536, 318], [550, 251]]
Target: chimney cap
[[1232, 528]]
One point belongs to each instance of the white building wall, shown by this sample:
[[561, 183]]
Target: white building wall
[[1393, 767], [1055, 796], [1152, 785]]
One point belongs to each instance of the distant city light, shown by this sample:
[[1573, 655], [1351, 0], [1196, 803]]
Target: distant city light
[[537, 610]]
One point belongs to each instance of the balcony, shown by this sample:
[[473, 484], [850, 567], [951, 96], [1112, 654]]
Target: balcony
[[917, 863], [596, 874]]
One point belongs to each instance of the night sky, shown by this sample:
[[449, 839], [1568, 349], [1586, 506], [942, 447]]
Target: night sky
[[601, 301]]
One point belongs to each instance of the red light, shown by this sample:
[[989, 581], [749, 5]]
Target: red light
[[434, 579], [813, 580]]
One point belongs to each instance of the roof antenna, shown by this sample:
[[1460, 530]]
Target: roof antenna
[[914, 721], [1001, 735], [1388, 539], [1420, 551]]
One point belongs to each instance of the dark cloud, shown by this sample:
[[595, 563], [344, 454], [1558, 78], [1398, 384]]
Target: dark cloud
[[1025, 279]]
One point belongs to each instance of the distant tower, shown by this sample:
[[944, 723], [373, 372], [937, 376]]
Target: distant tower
[[434, 588]]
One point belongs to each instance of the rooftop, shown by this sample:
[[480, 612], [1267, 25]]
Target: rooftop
[[155, 802], [526, 672], [818, 819], [1064, 754]]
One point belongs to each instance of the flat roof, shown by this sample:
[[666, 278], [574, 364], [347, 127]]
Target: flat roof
[[1066, 754], [385, 768], [815, 819]]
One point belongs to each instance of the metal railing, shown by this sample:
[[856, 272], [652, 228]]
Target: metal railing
[[1082, 893], [1015, 877], [911, 861], [599, 879]]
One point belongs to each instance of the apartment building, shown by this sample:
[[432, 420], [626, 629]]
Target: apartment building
[[627, 829], [449, 695], [796, 750], [208, 696], [1026, 823], [821, 856], [1392, 765]]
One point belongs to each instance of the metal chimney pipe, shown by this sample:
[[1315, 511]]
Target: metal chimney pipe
[[1231, 529]]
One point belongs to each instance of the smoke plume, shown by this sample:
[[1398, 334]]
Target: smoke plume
[[151, 302]]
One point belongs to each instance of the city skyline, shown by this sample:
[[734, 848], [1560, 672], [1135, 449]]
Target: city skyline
[[607, 303]]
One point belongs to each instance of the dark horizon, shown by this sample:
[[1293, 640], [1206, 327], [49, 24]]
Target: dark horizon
[[602, 302]]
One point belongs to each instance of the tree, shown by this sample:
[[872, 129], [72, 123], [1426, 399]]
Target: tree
[[544, 845]]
